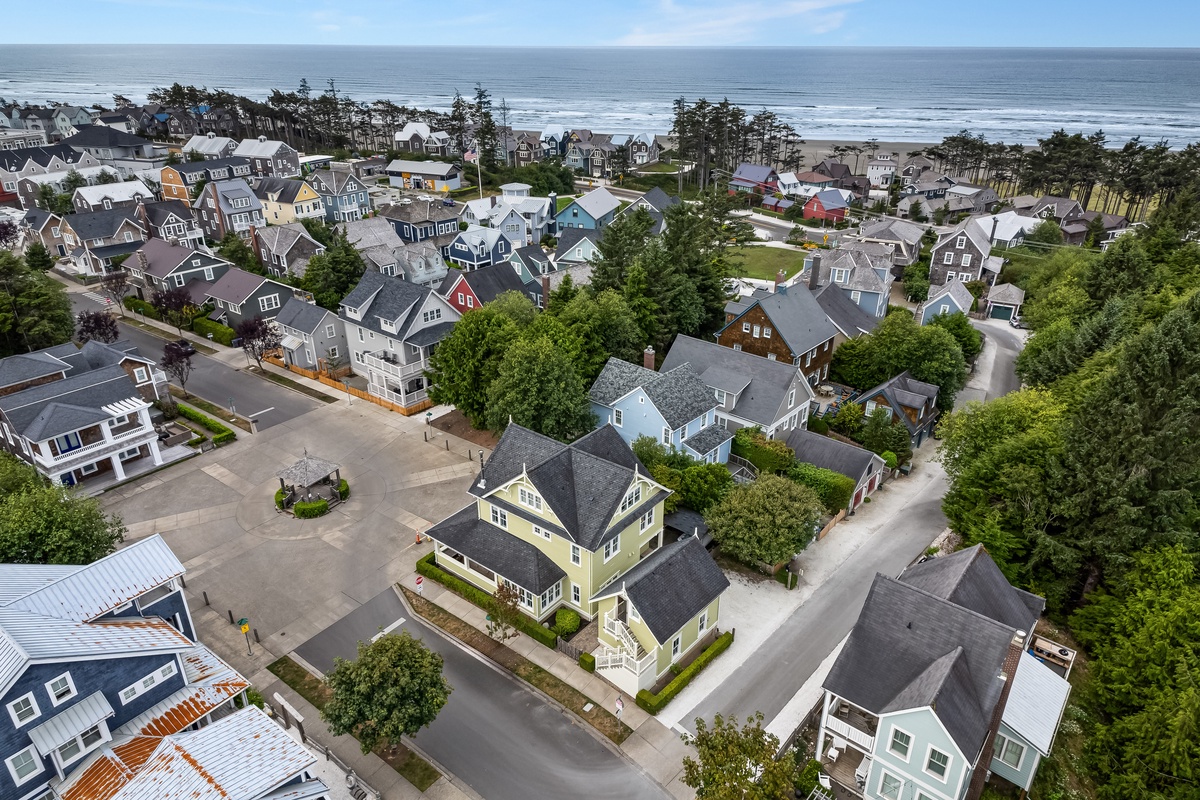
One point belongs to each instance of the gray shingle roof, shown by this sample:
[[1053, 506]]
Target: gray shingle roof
[[104, 136], [13, 160], [708, 439], [910, 649], [26, 367], [498, 550], [1007, 294], [850, 460], [378, 295], [769, 381], [847, 315], [678, 394], [419, 211], [971, 579], [598, 203], [301, 315], [796, 316], [954, 289], [431, 335], [906, 390], [487, 283], [672, 586], [583, 482], [236, 285], [569, 237], [101, 224], [307, 471], [30, 409], [280, 190], [533, 257]]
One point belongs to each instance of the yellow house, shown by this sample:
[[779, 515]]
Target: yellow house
[[285, 200], [580, 526]]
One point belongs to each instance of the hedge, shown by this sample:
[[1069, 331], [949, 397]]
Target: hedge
[[221, 434], [221, 334], [654, 703], [196, 441], [343, 489], [309, 510], [587, 661], [141, 307], [525, 624], [280, 494], [834, 488], [768, 455]]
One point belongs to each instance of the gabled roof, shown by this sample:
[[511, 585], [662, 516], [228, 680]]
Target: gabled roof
[[207, 143], [970, 229], [678, 394], [1035, 703], [597, 203], [830, 199], [261, 147], [660, 200], [301, 315], [29, 366], [280, 239], [475, 235], [846, 315], [43, 409], [531, 255], [204, 167], [236, 286], [813, 177], [954, 290], [752, 175], [583, 483], [13, 160], [498, 550], [905, 390], [855, 462], [419, 211], [163, 258], [335, 181], [890, 230], [487, 283], [1006, 294], [439, 169], [769, 382], [104, 136], [672, 586], [569, 237], [971, 579], [279, 190], [382, 296], [101, 224], [158, 213], [796, 315], [910, 649], [122, 192]]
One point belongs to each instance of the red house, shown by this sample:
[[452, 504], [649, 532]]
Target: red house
[[468, 290], [827, 205]]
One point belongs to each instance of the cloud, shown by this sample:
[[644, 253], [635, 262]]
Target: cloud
[[332, 21], [705, 23]]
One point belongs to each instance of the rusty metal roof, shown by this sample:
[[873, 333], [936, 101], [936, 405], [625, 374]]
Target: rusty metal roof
[[211, 683]]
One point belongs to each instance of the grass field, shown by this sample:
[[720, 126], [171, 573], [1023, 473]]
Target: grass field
[[765, 262]]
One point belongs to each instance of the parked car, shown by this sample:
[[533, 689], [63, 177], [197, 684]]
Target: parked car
[[185, 347], [1016, 322]]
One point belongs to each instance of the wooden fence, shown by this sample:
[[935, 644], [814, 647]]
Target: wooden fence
[[407, 411]]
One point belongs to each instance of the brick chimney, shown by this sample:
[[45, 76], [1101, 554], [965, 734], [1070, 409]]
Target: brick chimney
[[780, 277], [545, 290], [648, 358], [982, 768], [814, 275]]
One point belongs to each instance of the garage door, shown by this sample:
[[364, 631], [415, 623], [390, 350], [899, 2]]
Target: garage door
[[1001, 312]]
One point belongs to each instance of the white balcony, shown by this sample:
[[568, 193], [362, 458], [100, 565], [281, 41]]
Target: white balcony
[[90, 452], [843, 729], [399, 398], [389, 364]]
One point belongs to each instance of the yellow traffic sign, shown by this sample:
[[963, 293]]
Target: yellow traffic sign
[[245, 629]]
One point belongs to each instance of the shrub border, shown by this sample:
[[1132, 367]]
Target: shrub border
[[343, 490], [221, 434], [310, 509], [525, 624], [654, 703]]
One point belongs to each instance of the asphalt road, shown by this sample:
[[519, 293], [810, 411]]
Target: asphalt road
[[494, 734], [217, 382], [773, 674]]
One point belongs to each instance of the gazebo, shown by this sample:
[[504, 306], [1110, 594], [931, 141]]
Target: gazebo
[[296, 483]]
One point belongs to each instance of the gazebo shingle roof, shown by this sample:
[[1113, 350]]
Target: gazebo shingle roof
[[308, 471]]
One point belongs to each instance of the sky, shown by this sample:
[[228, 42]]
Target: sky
[[981, 23]]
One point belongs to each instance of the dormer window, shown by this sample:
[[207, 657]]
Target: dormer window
[[632, 498]]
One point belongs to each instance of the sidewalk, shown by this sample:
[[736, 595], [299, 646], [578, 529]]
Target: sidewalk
[[652, 746]]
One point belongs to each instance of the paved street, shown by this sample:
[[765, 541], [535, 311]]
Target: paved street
[[490, 712], [217, 382]]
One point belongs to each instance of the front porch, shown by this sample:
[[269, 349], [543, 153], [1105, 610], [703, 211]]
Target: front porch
[[104, 479], [847, 771]]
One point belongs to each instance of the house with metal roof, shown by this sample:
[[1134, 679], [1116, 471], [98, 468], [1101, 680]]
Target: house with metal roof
[[829, 205], [437, 176], [592, 211], [856, 463], [786, 325], [103, 681], [673, 407], [312, 336], [580, 526], [392, 326], [911, 402], [269, 158], [938, 687], [754, 178], [210, 146], [74, 413], [240, 295], [105, 196], [750, 390]]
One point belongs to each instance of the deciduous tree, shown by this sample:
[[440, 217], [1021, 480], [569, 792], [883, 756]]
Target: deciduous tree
[[738, 762], [175, 306], [96, 325], [115, 285], [767, 521], [391, 690], [177, 364], [538, 387], [465, 364], [970, 341], [259, 337]]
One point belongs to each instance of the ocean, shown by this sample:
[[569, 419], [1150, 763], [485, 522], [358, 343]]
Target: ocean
[[891, 94]]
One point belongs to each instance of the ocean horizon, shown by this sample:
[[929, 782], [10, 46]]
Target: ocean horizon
[[1015, 95]]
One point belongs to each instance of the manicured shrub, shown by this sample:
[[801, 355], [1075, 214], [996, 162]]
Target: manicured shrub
[[768, 455], [221, 334], [141, 307], [527, 625], [818, 425], [566, 621], [588, 662], [808, 776], [197, 441], [834, 488], [889, 459], [221, 434], [653, 703], [344, 489], [310, 510], [280, 494]]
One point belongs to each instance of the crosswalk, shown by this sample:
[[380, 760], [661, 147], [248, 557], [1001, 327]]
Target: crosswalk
[[98, 298]]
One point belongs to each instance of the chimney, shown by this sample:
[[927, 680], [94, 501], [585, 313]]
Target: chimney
[[780, 277], [141, 257], [648, 358], [262, 138], [995, 224], [545, 290], [553, 205], [814, 275]]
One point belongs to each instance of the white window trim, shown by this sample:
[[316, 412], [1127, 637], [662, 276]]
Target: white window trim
[[883, 775], [632, 497], [140, 375], [70, 684], [541, 532], [676, 647], [911, 741], [618, 417], [576, 555], [529, 499], [156, 676], [702, 623], [12, 770], [576, 594], [998, 751], [949, 764], [499, 517], [84, 750], [646, 521], [613, 544], [37, 711]]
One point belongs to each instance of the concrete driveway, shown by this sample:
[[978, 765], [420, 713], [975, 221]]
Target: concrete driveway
[[491, 719]]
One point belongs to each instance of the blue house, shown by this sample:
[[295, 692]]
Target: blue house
[[863, 270], [594, 210], [100, 668], [479, 247], [345, 196], [674, 408], [949, 298]]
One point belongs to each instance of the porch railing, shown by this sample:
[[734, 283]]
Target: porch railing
[[847, 731]]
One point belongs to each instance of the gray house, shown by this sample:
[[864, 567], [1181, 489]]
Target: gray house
[[856, 463], [285, 249], [124, 152], [269, 157], [862, 270], [903, 237], [240, 295], [159, 266], [964, 253], [312, 336], [344, 195], [228, 206]]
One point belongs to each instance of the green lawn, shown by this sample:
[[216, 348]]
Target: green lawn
[[658, 166], [563, 202], [765, 262]]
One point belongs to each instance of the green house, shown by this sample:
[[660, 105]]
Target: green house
[[580, 526]]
